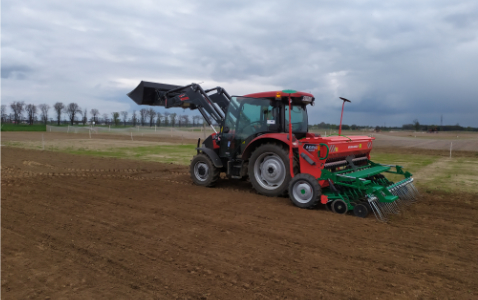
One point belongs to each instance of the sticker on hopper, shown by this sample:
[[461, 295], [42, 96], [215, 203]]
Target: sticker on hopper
[[311, 147]]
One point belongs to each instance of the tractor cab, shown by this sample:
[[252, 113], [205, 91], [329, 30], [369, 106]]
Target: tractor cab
[[251, 116]]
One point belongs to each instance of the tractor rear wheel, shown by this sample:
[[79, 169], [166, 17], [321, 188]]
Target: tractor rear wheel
[[304, 191], [269, 170], [203, 172]]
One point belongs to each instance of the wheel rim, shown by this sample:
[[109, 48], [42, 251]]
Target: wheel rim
[[302, 192], [201, 171], [339, 206], [269, 171]]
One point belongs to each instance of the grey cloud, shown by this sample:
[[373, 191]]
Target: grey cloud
[[397, 60]]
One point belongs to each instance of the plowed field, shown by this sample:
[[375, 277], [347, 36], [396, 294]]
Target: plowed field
[[76, 227]]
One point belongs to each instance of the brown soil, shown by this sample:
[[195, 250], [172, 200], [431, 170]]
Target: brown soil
[[76, 227]]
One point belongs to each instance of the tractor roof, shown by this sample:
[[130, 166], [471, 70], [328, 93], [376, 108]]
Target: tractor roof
[[296, 96]]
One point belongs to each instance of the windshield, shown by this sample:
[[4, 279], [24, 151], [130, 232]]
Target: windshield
[[247, 116], [299, 118]]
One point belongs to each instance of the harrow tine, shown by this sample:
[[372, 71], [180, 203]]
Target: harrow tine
[[395, 207], [379, 214]]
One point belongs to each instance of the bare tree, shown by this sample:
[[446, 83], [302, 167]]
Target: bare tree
[[58, 107], [124, 115], [166, 118], [196, 120], [4, 113], [416, 124], [94, 112], [143, 114], [151, 116], [134, 118], [17, 107], [84, 119], [115, 117], [31, 110], [44, 108], [105, 118], [72, 110], [173, 118], [184, 120]]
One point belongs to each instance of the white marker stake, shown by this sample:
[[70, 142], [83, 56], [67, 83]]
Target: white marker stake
[[42, 142], [90, 133], [154, 128], [68, 131], [109, 128], [171, 131], [131, 135], [451, 145]]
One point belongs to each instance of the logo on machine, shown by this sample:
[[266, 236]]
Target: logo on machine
[[307, 99], [352, 147], [310, 147], [183, 97]]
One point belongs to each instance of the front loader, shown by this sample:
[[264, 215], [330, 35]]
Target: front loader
[[264, 137]]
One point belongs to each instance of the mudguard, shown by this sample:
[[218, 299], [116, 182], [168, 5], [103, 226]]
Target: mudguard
[[212, 155]]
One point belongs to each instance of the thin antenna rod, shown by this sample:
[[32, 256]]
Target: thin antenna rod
[[342, 115]]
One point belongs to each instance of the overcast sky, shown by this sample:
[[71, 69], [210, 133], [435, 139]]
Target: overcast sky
[[396, 60]]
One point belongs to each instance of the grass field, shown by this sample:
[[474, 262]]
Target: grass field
[[430, 168], [23, 127]]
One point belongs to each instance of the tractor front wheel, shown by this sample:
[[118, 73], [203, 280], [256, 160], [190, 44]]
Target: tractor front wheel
[[203, 172], [304, 191], [269, 170]]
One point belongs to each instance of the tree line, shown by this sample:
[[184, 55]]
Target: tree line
[[29, 113]]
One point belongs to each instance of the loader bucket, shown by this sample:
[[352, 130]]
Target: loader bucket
[[148, 93]]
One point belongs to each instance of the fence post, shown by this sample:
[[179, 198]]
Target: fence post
[[451, 145], [131, 134], [68, 131], [42, 142], [90, 132]]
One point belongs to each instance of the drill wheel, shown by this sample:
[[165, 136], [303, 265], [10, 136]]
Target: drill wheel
[[361, 210], [339, 207]]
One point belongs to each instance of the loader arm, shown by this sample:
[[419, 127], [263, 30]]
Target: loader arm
[[211, 106]]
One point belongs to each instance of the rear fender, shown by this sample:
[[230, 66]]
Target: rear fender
[[279, 138]]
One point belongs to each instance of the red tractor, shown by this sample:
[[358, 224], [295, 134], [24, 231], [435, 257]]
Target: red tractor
[[265, 137]]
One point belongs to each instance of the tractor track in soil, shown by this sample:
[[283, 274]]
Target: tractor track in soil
[[78, 227]]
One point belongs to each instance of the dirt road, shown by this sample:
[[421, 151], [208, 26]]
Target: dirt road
[[75, 227]]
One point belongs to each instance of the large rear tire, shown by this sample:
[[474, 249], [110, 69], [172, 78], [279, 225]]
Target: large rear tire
[[269, 170], [203, 172], [304, 191]]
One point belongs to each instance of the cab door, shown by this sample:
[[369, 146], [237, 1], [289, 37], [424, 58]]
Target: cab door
[[249, 117]]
